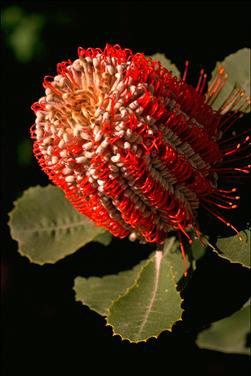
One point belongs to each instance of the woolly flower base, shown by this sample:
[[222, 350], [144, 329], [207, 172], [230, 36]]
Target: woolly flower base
[[134, 148]]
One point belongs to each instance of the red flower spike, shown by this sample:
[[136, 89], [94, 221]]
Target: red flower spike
[[134, 148]]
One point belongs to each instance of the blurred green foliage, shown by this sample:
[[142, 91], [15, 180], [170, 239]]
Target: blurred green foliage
[[229, 334], [22, 32]]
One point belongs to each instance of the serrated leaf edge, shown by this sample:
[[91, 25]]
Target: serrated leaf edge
[[129, 289], [223, 256], [20, 244], [119, 296]]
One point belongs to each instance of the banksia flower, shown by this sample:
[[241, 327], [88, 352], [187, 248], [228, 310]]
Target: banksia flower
[[134, 148]]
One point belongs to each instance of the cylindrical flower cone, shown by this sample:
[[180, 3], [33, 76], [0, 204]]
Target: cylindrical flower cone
[[134, 148]]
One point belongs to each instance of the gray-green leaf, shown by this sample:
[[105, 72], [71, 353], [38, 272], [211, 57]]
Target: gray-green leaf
[[235, 249], [152, 304], [229, 334], [104, 238], [47, 227], [99, 293], [166, 63], [198, 248], [237, 67]]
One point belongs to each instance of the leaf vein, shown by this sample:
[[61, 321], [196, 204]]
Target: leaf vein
[[158, 259]]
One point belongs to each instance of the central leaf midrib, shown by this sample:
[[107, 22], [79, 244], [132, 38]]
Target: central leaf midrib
[[154, 293], [60, 227]]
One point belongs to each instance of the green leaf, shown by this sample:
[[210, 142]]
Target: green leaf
[[237, 67], [99, 293], [152, 304], [198, 249], [235, 249], [228, 335], [104, 238], [47, 227], [166, 63]]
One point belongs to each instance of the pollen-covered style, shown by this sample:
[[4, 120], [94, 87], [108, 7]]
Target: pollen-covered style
[[134, 148]]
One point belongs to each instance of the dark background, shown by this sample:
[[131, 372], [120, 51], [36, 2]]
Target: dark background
[[44, 328]]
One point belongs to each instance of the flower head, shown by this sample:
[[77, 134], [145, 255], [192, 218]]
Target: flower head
[[134, 148]]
